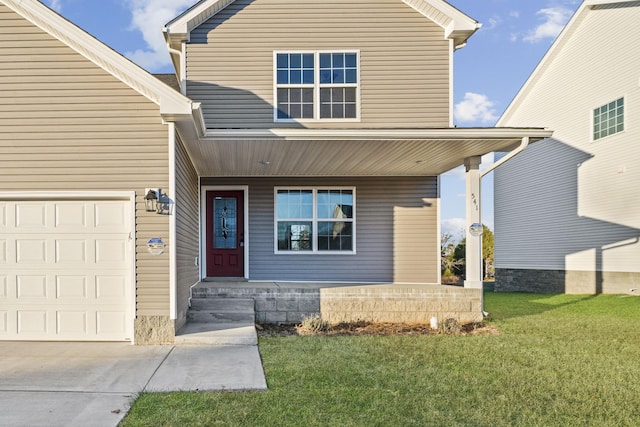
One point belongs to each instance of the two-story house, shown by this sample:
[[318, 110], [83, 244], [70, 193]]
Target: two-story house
[[305, 146], [567, 219]]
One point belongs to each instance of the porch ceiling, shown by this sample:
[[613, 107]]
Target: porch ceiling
[[304, 152]]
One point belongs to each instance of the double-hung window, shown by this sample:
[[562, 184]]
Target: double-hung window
[[608, 119], [315, 220], [316, 85]]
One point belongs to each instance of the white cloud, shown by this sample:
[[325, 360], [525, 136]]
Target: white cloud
[[453, 226], [475, 108], [148, 17], [514, 14], [493, 22], [55, 5], [554, 19]]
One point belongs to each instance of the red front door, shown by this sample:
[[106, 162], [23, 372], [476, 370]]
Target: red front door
[[225, 234]]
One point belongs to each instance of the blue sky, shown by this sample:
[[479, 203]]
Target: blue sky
[[488, 72]]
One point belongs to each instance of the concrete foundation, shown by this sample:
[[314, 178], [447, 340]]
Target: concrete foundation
[[152, 330], [567, 281]]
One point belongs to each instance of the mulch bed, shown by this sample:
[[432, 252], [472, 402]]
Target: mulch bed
[[370, 328]]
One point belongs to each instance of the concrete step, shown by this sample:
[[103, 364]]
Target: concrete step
[[236, 333], [223, 305], [211, 316], [220, 310]]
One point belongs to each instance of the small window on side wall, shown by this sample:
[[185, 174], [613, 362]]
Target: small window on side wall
[[608, 119]]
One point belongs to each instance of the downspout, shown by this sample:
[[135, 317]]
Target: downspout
[[180, 54], [523, 144], [173, 277]]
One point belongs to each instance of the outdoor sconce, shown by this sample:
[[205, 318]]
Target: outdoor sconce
[[475, 229], [158, 202]]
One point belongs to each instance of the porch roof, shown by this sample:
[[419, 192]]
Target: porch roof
[[375, 152]]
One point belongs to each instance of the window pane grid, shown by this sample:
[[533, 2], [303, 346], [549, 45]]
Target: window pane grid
[[331, 76], [608, 119], [315, 220]]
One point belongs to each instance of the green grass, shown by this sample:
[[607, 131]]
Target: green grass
[[560, 360]]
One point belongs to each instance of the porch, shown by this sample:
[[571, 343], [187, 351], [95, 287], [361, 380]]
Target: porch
[[290, 302]]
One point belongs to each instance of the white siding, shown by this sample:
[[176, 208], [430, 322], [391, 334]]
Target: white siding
[[571, 203]]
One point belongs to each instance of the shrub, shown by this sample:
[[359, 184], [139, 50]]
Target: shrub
[[313, 325]]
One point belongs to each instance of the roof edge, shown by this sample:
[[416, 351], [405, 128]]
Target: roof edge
[[372, 134], [457, 26], [563, 37], [169, 101]]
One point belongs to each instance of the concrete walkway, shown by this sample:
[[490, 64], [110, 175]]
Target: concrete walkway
[[93, 384]]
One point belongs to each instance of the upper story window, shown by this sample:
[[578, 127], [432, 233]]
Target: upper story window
[[316, 85], [608, 119]]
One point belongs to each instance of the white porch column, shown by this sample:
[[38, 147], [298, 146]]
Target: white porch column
[[473, 254]]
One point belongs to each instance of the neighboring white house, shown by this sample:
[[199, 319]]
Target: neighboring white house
[[567, 210]]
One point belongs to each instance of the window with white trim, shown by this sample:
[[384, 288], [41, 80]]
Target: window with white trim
[[608, 119], [315, 220], [316, 85]]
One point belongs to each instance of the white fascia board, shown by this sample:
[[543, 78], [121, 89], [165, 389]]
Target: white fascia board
[[457, 26], [538, 72], [192, 17], [169, 100], [385, 134]]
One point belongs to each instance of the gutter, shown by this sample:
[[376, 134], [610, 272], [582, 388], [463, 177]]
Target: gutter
[[523, 144]]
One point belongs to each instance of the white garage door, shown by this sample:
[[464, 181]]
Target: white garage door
[[65, 270]]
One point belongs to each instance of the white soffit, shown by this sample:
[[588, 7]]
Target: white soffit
[[170, 101]]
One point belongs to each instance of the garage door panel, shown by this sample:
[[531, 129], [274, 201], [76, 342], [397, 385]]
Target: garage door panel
[[71, 251], [4, 325], [4, 287], [31, 251], [111, 322], [66, 270], [32, 216], [73, 287], [111, 216], [110, 287], [71, 215], [31, 287], [72, 322], [32, 322]]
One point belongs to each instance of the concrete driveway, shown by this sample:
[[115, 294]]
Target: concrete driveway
[[93, 384]]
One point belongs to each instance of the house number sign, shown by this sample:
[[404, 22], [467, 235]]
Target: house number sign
[[155, 246]]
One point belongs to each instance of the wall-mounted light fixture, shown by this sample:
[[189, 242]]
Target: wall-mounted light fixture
[[157, 201]]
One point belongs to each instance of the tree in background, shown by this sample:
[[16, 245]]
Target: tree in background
[[449, 266], [487, 252], [459, 253]]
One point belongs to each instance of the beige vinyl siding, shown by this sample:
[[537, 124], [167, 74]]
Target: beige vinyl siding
[[570, 203], [396, 232], [187, 229], [404, 60], [67, 125]]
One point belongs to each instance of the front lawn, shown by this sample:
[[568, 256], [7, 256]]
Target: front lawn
[[559, 360]]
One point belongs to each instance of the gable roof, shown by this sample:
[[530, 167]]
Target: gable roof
[[457, 26], [563, 38], [171, 102]]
